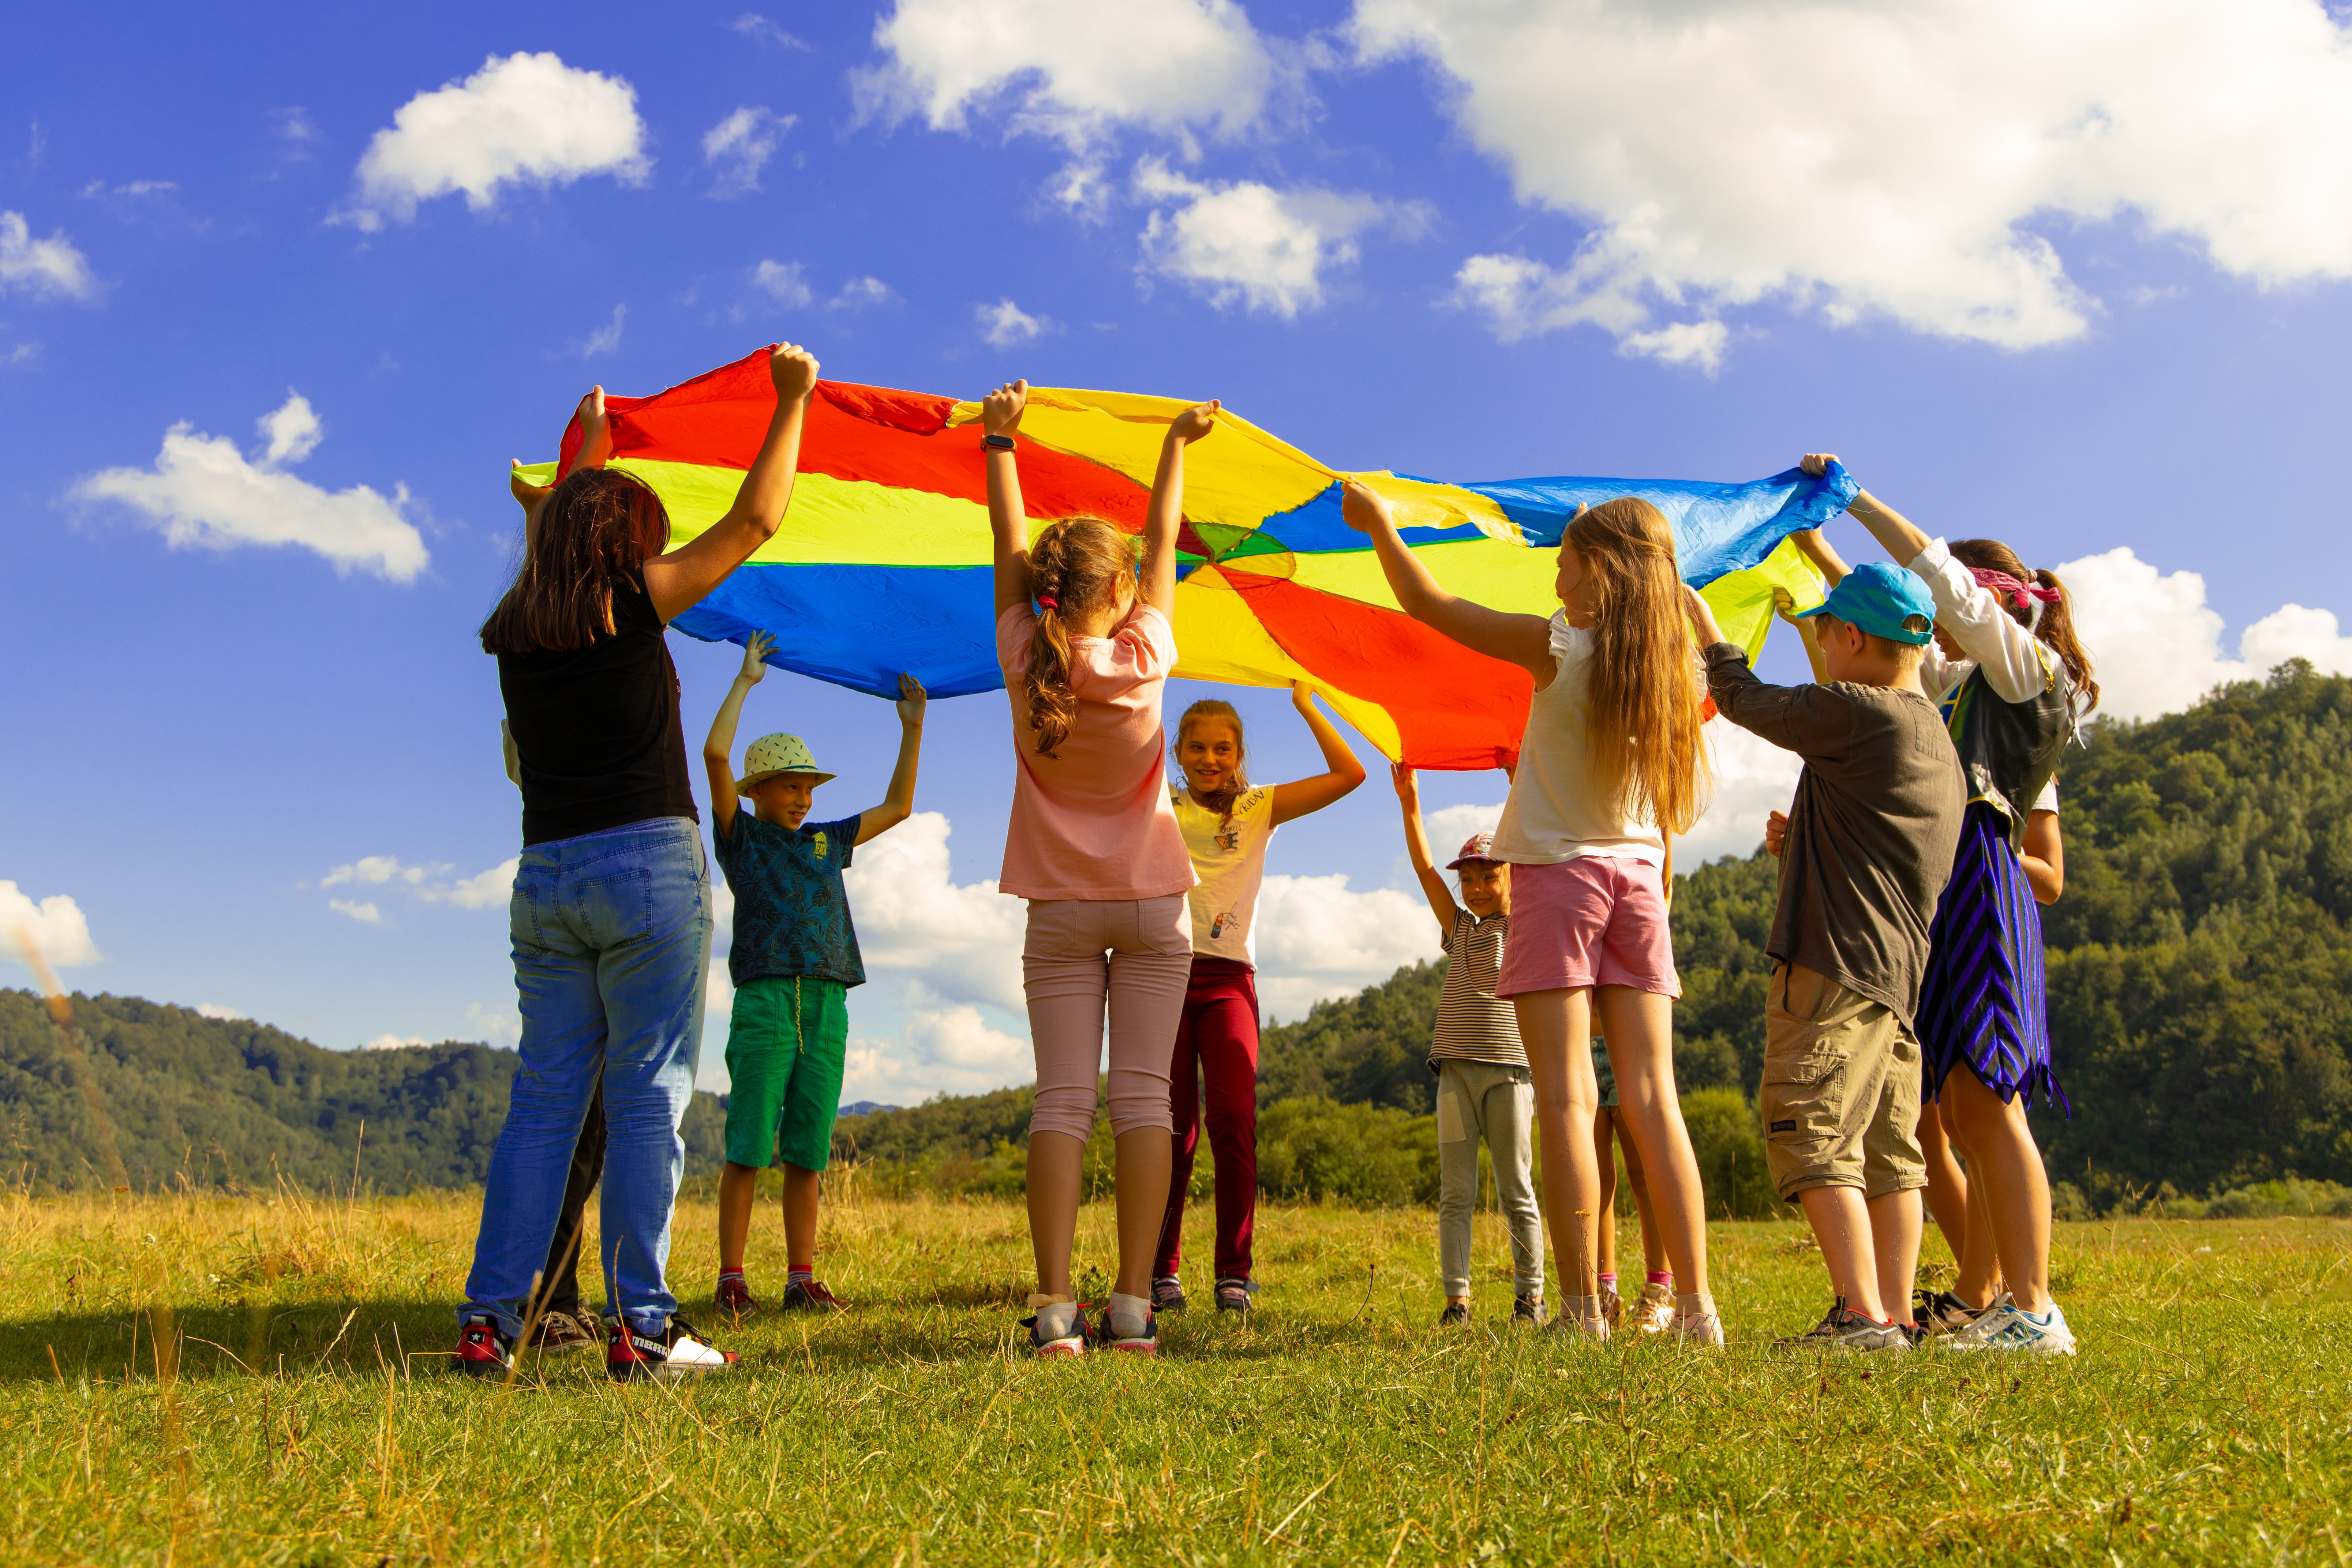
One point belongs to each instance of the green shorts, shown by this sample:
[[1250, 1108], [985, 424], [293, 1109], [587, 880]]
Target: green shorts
[[785, 1048], [1603, 1076]]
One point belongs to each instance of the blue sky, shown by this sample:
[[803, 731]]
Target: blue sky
[[2092, 310]]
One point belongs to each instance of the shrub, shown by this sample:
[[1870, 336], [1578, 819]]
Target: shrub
[[1360, 1156]]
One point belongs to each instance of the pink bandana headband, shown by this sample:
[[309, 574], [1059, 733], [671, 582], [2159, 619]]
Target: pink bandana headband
[[2021, 594]]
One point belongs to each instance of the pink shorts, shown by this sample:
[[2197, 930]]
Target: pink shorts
[[1597, 920]]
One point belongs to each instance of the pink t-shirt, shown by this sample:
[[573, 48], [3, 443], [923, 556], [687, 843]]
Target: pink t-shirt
[[1093, 820]]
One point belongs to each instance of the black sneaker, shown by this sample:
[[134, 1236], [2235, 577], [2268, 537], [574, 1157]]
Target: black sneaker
[[1143, 1342], [1455, 1315], [678, 1351], [1527, 1311], [1842, 1328], [483, 1349], [733, 1296], [1167, 1294], [1070, 1341], [1233, 1293], [1941, 1311], [560, 1331], [811, 1296]]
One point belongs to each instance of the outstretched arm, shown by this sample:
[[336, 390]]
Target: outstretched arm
[[1522, 640], [718, 748], [1000, 414], [1166, 514], [680, 579], [1416, 848], [899, 804], [1343, 773], [1890, 528]]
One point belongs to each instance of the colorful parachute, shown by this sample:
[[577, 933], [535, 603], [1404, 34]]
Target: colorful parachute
[[883, 560]]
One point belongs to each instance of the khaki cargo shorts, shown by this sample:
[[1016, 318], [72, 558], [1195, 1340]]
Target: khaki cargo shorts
[[1840, 1094]]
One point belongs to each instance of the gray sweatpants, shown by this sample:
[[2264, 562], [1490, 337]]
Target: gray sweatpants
[[1480, 1100]]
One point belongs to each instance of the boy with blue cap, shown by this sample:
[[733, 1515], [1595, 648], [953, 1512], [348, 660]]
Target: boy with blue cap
[[1869, 846]]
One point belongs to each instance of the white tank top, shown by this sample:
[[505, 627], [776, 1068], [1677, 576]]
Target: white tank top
[[1230, 860], [1556, 812]]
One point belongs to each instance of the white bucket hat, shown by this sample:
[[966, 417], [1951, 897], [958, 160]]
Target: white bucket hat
[[774, 754]]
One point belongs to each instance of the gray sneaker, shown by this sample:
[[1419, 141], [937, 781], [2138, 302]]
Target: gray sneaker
[[1846, 1329]]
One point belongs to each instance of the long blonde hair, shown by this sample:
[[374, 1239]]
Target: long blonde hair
[[1072, 566], [1642, 705]]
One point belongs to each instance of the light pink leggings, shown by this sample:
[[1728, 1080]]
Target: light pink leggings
[[1139, 953]]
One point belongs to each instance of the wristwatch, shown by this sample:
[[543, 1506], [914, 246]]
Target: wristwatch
[[997, 443]]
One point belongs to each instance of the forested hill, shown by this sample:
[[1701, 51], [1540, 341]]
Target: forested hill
[[235, 1102]]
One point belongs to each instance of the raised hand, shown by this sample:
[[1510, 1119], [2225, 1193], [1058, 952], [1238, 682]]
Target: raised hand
[[793, 370], [1408, 786], [1194, 422], [1776, 832], [913, 700], [595, 432], [1302, 695], [1363, 508], [1817, 463], [999, 411], [528, 495], [755, 658]]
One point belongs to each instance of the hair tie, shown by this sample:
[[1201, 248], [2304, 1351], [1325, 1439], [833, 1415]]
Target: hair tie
[[1048, 602], [2019, 593]]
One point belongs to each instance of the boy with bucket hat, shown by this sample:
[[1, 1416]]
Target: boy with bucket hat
[[1868, 848], [794, 960]]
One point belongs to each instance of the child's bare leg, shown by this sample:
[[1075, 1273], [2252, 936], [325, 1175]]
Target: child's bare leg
[[1144, 1157], [1556, 1028], [802, 1190], [1947, 1185], [1056, 1163], [2004, 1161], [1653, 1246], [1604, 1159], [1894, 1223], [1980, 1281], [737, 1190], [1639, 1027], [1841, 1222]]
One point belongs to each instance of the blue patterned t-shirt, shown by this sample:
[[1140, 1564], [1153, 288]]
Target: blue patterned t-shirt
[[791, 914]]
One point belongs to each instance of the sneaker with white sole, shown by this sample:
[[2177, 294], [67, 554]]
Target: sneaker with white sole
[[1236, 1293], [1842, 1328], [1167, 1294], [633, 1355], [2007, 1326], [1128, 1336], [1567, 1327], [1941, 1311], [1058, 1329], [485, 1350], [1654, 1313], [1705, 1328]]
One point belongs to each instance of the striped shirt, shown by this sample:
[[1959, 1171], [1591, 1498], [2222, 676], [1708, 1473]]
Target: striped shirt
[[1472, 1026]]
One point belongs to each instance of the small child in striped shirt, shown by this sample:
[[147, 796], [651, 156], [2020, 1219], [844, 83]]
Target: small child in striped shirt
[[1484, 1088]]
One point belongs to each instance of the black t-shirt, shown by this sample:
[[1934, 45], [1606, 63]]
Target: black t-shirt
[[598, 727]]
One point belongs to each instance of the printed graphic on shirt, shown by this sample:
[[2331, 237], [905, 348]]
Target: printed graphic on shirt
[[1228, 853], [792, 913]]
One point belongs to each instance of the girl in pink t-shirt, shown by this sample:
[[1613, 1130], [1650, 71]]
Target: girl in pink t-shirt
[[1087, 646]]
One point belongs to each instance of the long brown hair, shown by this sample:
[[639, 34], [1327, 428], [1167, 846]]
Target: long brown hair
[[599, 525], [1642, 702], [2056, 627], [1072, 566], [1236, 782]]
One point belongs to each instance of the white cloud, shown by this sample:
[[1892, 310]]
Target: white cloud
[[859, 292], [375, 871], [204, 491], [740, 146], [965, 941], [1074, 70], [296, 130], [392, 1042], [497, 1026], [604, 339], [523, 119], [945, 1047], [785, 282], [1005, 325], [1699, 343], [1249, 244], [2156, 647], [1752, 779], [215, 1011], [753, 26], [481, 890], [1882, 160], [1317, 937], [55, 925], [365, 914], [42, 267]]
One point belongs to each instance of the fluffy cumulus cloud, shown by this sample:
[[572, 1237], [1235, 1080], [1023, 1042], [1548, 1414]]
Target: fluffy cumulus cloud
[[1874, 159], [1753, 778], [361, 910], [1072, 69], [944, 1048], [1248, 244], [1005, 325], [53, 928], [215, 1011], [1319, 937], [44, 268], [2158, 647], [202, 491], [394, 1042], [740, 146], [430, 884], [962, 940], [785, 282], [524, 119]]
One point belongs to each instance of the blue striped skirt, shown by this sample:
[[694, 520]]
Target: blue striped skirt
[[1982, 1000]]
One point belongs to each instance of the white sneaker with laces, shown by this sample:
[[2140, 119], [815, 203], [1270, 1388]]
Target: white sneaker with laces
[[2007, 1326], [1698, 1328]]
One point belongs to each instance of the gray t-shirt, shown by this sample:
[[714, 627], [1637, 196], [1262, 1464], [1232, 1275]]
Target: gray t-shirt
[[1872, 832]]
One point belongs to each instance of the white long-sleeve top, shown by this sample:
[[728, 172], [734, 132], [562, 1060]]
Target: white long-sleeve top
[[2016, 664]]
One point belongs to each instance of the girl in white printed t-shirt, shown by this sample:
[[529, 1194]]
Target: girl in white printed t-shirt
[[1226, 824]]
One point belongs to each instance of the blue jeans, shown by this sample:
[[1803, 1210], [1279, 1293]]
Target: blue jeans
[[612, 946]]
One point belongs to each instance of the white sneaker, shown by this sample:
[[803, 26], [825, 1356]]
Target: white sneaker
[[1698, 1328], [633, 1355], [2006, 1326], [1655, 1311], [1567, 1327]]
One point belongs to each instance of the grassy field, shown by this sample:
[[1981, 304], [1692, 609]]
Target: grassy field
[[206, 1379]]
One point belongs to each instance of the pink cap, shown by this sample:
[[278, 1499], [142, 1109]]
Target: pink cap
[[1477, 847]]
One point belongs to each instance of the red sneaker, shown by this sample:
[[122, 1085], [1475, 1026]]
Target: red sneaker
[[811, 1297], [635, 1357], [733, 1297], [483, 1351]]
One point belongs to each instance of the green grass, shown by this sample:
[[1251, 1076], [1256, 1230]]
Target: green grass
[[298, 1411]]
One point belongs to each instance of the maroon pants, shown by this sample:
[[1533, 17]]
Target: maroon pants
[[1216, 1048]]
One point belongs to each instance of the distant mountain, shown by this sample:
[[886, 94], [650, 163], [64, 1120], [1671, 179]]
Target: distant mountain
[[229, 1102], [865, 1107]]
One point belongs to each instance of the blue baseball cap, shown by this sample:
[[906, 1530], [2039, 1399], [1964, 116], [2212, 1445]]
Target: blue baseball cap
[[1879, 598]]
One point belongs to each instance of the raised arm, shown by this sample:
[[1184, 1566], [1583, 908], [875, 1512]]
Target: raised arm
[[1343, 772], [1416, 849], [999, 416], [1522, 640], [1808, 630], [1165, 513], [1815, 547], [899, 804], [1902, 538], [679, 580], [718, 750]]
